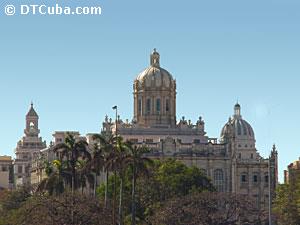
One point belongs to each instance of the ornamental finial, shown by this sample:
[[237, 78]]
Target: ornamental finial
[[154, 58]]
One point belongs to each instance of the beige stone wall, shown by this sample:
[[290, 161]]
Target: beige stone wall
[[5, 169], [292, 174], [251, 180], [4, 180]]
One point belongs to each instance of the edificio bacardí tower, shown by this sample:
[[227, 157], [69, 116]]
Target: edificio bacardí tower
[[28, 148], [233, 163]]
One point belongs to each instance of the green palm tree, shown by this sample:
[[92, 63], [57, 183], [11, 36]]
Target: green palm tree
[[138, 163], [122, 162], [54, 183], [72, 152], [96, 165], [105, 152], [86, 174], [111, 164], [114, 153]]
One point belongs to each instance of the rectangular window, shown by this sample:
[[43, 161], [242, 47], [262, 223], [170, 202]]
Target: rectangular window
[[20, 169], [266, 178], [148, 105], [196, 141], [158, 105], [134, 140], [149, 140], [255, 179], [140, 106], [167, 105], [244, 178]]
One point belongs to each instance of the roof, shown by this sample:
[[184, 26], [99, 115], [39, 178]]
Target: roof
[[32, 112]]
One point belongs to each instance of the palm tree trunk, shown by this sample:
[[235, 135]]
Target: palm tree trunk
[[95, 184], [73, 190], [133, 207], [114, 198], [106, 188], [121, 200]]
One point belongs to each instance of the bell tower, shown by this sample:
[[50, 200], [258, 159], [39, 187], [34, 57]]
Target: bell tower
[[32, 123], [28, 148]]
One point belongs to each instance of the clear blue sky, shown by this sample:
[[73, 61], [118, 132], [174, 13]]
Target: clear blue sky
[[76, 68]]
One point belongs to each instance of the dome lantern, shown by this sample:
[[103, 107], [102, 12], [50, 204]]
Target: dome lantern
[[237, 110], [154, 58]]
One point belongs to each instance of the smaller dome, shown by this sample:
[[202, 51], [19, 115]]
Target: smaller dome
[[154, 76], [238, 127]]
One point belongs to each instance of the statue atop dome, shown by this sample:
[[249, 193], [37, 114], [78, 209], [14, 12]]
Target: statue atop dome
[[154, 58]]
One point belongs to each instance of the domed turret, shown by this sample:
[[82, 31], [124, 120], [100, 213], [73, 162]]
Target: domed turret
[[239, 129], [155, 96], [155, 77]]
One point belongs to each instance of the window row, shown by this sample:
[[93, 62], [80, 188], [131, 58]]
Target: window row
[[255, 178], [149, 106]]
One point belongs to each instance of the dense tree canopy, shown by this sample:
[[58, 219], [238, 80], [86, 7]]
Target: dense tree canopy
[[207, 208], [287, 203], [56, 210], [148, 191], [164, 180]]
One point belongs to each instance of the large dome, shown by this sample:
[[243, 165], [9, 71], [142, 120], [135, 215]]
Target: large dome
[[238, 128], [154, 92], [154, 76]]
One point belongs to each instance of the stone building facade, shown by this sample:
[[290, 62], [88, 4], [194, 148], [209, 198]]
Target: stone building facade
[[37, 169], [231, 161], [292, 174], [6, 172]]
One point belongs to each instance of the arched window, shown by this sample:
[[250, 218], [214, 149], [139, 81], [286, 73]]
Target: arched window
[[31, 126], [219, 180]]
